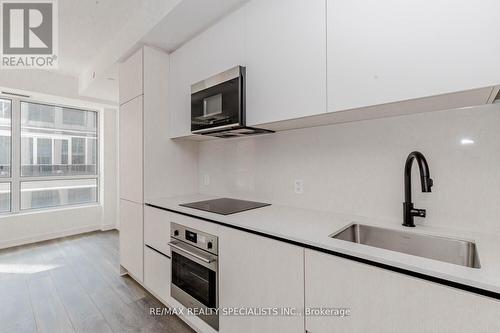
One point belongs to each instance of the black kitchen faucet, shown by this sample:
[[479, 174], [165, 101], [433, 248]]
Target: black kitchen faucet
[[409, 212]]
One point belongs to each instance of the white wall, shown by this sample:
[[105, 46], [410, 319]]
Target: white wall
[[26, 228], [357, 168]]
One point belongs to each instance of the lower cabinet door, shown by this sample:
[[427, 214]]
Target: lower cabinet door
[[157, 229], [259, 275], [381, 301], [131, 238], [157, 273]]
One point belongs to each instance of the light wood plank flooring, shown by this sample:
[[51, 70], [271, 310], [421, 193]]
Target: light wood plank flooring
[[73, 284]]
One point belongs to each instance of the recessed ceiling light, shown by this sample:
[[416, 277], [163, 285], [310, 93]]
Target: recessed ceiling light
[[466, 141]]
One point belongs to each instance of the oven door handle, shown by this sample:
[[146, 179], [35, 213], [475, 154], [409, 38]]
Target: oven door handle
[[185, 249]]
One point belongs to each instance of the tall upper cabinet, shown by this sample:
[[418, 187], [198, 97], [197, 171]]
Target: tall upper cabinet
[[283, 45], [285, 53], [215, 50], [151, 165], [131, 146]]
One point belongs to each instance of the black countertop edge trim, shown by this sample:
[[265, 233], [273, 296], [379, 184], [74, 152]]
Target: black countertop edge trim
[[152, 248], [457, 285]]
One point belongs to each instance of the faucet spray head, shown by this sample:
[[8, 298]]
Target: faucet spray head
[[427, 184]]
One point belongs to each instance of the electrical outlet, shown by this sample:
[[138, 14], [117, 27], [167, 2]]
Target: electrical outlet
[[206, 180], [299, 186]]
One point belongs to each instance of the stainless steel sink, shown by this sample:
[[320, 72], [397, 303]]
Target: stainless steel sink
[[455, 251]]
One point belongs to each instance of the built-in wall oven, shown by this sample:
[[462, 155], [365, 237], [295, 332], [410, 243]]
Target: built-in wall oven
[[194, 271]]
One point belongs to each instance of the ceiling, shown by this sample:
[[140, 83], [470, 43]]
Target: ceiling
[[186, 20], [95, 35], [86, 27]]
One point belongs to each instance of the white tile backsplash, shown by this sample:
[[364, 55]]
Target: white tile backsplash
[[357, 168]]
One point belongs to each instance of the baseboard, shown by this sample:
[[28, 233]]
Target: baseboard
[[48, 236], [108, 227]]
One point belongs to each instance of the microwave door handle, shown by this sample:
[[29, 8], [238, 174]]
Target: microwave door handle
[[195, 255]]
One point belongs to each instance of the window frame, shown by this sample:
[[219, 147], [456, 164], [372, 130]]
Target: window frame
[[9, 180], [16, 179]]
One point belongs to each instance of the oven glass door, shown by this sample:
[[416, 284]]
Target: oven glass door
[[216, 106], [196, 280]]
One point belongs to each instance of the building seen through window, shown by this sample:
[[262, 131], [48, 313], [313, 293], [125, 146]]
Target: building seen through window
[[5, 153], [58, 149], [57, 141]]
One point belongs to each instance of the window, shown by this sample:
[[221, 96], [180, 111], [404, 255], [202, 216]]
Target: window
[[78, 151], [27, 149], [57, 148], [64, 151], [44, 151], [42, 194], [4, 197], [5, 154], [5, 135], [92, 150], [38, 113], [74, 117], [57, 156], [5, 110]]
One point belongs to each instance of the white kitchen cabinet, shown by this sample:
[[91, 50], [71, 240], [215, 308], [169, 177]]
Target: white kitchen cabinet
[[170, 168], [285, 50], [215, 50], [307, 58], [385, 301], [131, 238], [157, 263], [282, 44], [131, 150], [157, 268], [151, 165], [131, 78], [258, 272], [157, 229], [387, 51]]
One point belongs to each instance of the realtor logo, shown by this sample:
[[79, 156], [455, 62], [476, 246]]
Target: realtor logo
[[29, 34]]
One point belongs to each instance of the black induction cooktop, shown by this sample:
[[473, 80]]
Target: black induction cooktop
[[225, 206]]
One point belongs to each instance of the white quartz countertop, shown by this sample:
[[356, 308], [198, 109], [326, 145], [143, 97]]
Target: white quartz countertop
[[313, 228]]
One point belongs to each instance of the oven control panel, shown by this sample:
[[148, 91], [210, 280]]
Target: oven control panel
[[199, 239]]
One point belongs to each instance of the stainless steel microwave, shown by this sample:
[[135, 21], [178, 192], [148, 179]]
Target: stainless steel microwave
[[218, 106]]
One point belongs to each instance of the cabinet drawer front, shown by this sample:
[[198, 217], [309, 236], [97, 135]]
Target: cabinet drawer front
[[157, 229], [157, 274]]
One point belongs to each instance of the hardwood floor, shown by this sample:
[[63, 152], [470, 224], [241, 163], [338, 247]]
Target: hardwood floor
[[73, 284]]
